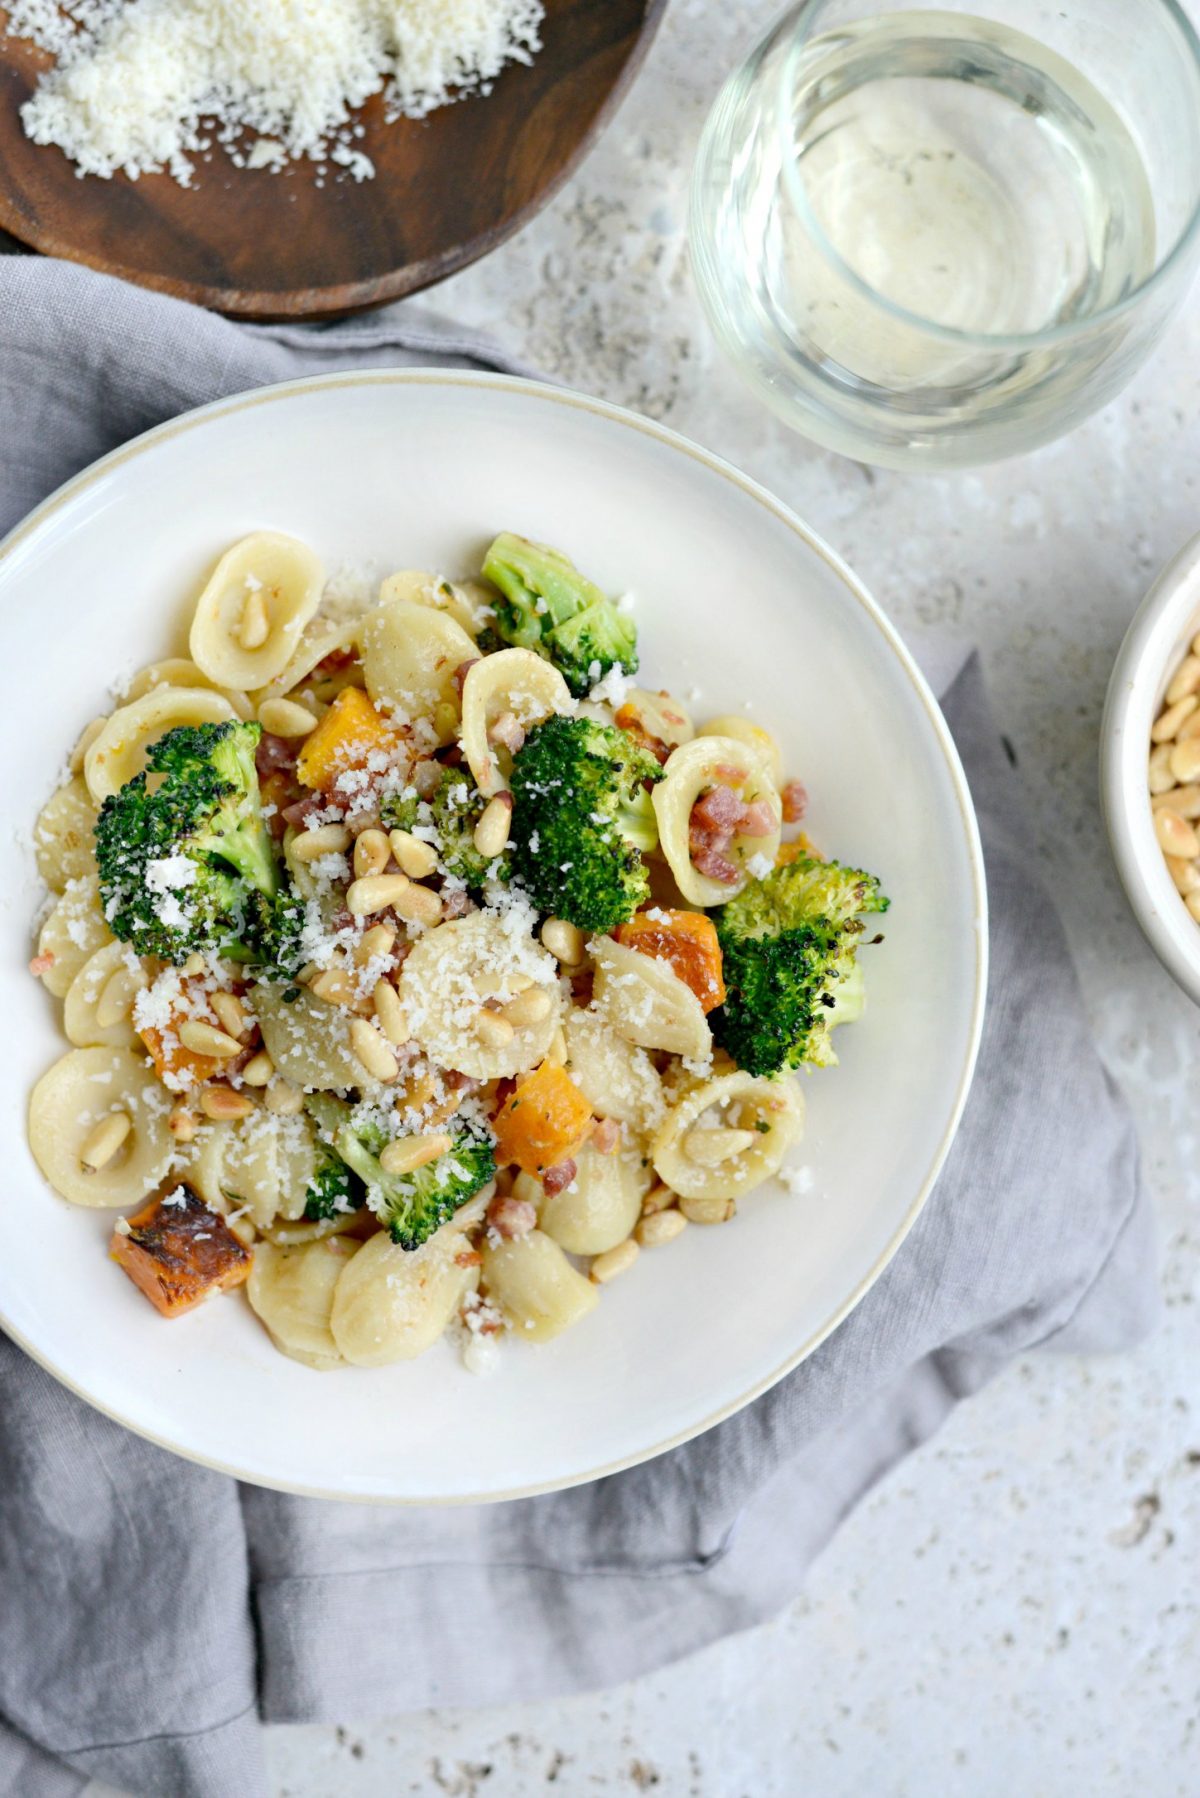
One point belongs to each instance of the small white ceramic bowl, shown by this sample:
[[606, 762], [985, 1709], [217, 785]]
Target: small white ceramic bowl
[[1155, 644]]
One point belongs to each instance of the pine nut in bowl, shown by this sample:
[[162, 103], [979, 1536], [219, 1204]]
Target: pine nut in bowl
[[738, 1216], [1150, 767]]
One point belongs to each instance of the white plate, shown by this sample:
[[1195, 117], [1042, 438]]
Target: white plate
[[736, 597]]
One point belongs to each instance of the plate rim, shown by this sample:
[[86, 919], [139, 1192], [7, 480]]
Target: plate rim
[[344, 299], [674, 441]]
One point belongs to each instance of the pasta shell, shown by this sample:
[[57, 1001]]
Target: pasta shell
[[442, 984], [120, 751], [292, 1289], [288, 577], [391, 1304], [68, 1102], [741, 1102], [74, 930], [63, 837], [600, 1207], [410, 653], [645, 1001], [88, 988], [511, 680], [536, 1287], [692, 770]]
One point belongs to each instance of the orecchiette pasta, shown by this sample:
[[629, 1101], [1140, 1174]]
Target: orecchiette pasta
[[178, 671], [390, 1305], [513, 681], [308, 1040], [474, 966], [659, 715], [262, 1162], [600, 1206], [292, 1291], [740, 728], [693, 770], [410, 653], [769, 1114], [256, 603], [62, 836], [120, 751], [617, 1079], [536, 1287], [466, 602], [100, 999], [68, 1102], [74, 930], [645, 1001], [319, 639]]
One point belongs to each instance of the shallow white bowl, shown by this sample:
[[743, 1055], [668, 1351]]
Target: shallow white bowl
[[1155, 644], [735, 596]]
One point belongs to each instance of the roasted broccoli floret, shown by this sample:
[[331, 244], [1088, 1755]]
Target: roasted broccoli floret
[[583, 820], [548, 606], [333, 1189], [186, 862], [410, 1206], [453, 812], [788, 945]]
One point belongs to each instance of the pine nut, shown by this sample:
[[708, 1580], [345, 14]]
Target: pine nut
[[87, 737], [408, 1153], [326, 839], [1186, 875], [377, 943], [1193, 904], [182, 1124], [709, 1148], [528, 1008], [1167, 727], [1184, 800], [615, 1261], [283, 1099], [116, 999], [1175, 836], [563, 940], [376, 892], [556, 1054], [1185, 760], [221, 1102], [491, 832], [1186, 680], [255, 626], [488, 985], [102, 1143], [662, 1227], [230, 1015], [286, 718], [372, 853], [194, 965], [659, 1198], [708, 1211], [493, 1029], [1161, 778], [445, 720], [206, 1039], [259, 1070], [420, 905], [371, 1050], [417, 859], [1189, 729], [390, 1013], [336, 987]]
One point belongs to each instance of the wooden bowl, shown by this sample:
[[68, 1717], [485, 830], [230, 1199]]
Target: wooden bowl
[[447, 189]]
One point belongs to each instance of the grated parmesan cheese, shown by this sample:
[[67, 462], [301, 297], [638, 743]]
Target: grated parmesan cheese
[[143, 86]]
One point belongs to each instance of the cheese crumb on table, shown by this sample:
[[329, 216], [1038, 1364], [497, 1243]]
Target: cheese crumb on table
[[143, 86]]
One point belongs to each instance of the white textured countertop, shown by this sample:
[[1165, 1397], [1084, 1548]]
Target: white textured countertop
[[1017, 1609]]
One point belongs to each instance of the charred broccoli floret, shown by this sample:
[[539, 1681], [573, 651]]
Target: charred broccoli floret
[[789, 945], [186, 862], [332, 1188], [583, 821], [410, 1206], [452, 814], [548, 606]]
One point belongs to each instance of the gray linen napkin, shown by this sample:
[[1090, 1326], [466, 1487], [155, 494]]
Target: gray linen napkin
[[151, 1612]]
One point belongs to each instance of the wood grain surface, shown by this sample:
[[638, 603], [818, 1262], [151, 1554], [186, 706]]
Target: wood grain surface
[[447, 189]]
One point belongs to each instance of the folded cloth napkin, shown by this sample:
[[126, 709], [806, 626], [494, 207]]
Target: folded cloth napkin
[[152, 1612]]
